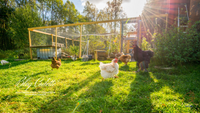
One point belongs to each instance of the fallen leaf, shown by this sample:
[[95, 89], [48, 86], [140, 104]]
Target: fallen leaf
[[163, 105], [100, 111], [13, 103]]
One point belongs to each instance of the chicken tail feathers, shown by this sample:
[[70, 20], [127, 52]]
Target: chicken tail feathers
[[59, 59], [101, 65]]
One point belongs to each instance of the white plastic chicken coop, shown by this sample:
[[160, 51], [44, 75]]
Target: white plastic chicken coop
[[48, 53]]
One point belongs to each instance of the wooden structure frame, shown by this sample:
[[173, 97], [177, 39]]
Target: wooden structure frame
[[122, 21], [139, 32]]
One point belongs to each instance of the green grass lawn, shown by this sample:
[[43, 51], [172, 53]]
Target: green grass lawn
[[174, 91]]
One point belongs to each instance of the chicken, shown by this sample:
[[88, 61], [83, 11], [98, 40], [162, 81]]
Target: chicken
[[142, 56], [4, 62], [118, 55], [125, 58], [142, 66], [109, 70], [56, 63], [73, 58]]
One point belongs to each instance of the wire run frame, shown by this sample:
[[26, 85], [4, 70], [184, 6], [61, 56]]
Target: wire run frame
[[122, 21]]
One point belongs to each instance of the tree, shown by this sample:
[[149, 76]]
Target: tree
[[6, 42], [22, 19]]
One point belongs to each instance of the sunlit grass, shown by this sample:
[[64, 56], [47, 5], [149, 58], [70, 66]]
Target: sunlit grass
[[156, 91]]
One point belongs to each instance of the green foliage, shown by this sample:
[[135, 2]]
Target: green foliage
[[6, 42], [173, 47], [14, 54], [7, 54], [145, 45], [26, 14], [22, 19], [74, 50]]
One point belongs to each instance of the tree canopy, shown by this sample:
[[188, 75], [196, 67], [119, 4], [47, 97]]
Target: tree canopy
[[18, 15]]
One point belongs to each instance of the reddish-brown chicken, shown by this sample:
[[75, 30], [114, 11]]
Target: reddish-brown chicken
[[56, 63], [142, 57]]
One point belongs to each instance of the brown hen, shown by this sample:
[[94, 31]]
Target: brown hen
[[56, 63], [125, 58]]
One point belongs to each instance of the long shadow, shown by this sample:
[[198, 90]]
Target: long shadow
[[183, 80], [96, 63], [97, 93], [69, 60], [89, 63], [59, 103], [127, 68], [8, 97], [139, 98], [97, 98], [124, 68], [13, 63]]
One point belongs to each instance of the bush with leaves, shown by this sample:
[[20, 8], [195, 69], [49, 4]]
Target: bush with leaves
[[14, 54], [173, 47], [22, 19], [74, 50], [145, 45]]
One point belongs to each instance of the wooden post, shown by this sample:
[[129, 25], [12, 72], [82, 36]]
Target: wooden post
[[128, 46], [66, 42], [80, 42], [120, 37], [56, 43], [95, 55], [30, 44]]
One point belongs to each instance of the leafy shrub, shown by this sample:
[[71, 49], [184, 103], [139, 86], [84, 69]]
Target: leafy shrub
[[145, 45], [14, 54], [74, 50], [173, 47]]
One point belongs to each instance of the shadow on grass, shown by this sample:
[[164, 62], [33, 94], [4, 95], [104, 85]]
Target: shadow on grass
[[92, 62], [138, 99], [89, 63], [59, 103], [70, 60], [97, 98], [183, 80], [16, 63], [126, 68]]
